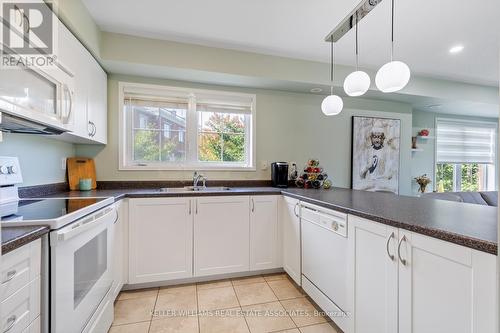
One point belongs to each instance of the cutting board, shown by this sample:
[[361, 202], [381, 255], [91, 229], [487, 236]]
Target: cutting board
[[80, 167]]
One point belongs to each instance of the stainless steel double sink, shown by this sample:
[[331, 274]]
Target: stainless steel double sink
[[195, 189]]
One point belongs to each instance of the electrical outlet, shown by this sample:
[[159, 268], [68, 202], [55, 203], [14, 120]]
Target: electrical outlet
[[263, 165], [63, 163]]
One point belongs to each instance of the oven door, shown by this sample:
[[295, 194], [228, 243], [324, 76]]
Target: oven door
[[81, 272]]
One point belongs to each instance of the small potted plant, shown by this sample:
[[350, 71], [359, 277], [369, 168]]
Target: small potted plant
[[423, 181]]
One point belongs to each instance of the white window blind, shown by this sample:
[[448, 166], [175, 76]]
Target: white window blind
[[460, 141]]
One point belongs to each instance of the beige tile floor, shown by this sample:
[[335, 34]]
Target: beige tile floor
[[267, 303]]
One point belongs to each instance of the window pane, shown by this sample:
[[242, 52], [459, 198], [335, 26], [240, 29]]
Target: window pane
[[146, 118], [233, 149], [470, 177], [444, 177], [221, 137], [173, 146], [146, 145], [209, 147]]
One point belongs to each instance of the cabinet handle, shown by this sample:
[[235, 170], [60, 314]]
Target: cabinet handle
[[295, 210], [190, 206], [95, 129], [253, 205], [91, 128], [387, 246], [11, 321], [196, 207], [10, 275], [403, 261]]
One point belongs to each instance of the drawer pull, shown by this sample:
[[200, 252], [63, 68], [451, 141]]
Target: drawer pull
[[10, 275], [11, 322]]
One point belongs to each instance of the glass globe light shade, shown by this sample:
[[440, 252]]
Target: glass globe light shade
[[357, 83], [392, 77], [332, 105]]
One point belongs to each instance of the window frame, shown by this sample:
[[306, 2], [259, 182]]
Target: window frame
[[457, 166], [125, 136]]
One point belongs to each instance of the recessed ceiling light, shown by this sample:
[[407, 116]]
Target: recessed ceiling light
[[316, 90], [456, 49]]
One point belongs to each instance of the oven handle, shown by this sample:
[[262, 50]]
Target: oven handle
[[108, 214]]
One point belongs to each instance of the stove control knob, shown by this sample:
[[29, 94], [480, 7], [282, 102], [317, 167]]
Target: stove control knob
[[4, 169], [12, 169]]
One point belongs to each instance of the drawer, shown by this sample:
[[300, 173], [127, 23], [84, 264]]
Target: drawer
[[22, 308], [19, 268], [34, 327]]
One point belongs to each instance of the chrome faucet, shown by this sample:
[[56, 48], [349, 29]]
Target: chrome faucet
[[196, 179]]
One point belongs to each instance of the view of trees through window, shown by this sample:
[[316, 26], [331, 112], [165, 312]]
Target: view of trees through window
[[460, 177], [159, 136], [221, 137]]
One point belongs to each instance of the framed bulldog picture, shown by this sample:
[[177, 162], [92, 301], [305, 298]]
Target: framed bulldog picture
[[375, 154]]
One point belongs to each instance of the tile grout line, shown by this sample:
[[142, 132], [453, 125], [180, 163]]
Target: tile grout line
[[154, 307], [241, 308], [197, 307], [279, 301]]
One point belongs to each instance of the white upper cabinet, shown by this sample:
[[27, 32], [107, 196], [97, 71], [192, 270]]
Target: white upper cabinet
[[90, 90], [373, 276], [161, 239], [444, 287], [221, 235], [290, 225], [264, 240]]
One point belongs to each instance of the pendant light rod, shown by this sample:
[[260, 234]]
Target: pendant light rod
[[361, 10], [392, 30], [331, 67], [357, 55]]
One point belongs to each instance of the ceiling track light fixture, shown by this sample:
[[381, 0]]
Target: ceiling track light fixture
[[332, 104], [358, 82], [394, 75]]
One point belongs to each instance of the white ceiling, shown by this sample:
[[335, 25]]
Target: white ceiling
[[425, 30]]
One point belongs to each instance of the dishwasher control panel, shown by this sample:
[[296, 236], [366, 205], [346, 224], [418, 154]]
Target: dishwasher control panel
[[325, 218]]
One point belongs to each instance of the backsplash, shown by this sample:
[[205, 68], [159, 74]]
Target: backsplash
[[41, 158]]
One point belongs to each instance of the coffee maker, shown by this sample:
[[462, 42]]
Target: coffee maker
[[279, 174]]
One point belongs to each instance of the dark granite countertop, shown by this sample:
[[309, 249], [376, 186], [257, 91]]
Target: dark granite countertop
[[15, 237], [470, 225], [474, 226]]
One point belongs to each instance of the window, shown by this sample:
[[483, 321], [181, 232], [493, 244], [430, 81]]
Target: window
[[175, 128], [465, 155]]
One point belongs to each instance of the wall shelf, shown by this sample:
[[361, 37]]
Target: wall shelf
[[425, 137], [416, 149]]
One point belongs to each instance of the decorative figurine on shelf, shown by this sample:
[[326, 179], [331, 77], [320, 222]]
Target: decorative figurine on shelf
[[424, 132], [413, 142], [313, 176], [423, 181]]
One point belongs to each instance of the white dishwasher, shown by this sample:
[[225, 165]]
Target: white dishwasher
[[324, 261]]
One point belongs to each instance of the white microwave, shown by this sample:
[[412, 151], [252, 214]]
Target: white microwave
[[37, 100]]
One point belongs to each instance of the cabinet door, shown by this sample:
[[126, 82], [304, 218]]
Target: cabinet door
[[290, 223], [161, 239], [264, 243], [444, 287], [97, 102], [221, 235], [373, 273]]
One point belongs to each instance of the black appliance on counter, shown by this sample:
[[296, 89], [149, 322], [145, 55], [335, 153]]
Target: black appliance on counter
[[279, 174]]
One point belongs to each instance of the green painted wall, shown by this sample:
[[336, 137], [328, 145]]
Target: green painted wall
[[290, 127], [40, 157]]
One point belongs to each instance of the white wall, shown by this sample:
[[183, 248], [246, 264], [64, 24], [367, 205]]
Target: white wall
[[290, 127]]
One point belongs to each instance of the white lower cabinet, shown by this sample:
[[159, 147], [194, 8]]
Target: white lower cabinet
[[264, 233], [221, 235], [290, 225], [373, 276], [161, 239], [444, 287], [409, 283]]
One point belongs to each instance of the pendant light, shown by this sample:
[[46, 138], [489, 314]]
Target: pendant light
[[333, 104], [357, 83], [394, 75]]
